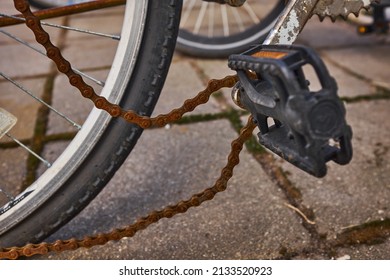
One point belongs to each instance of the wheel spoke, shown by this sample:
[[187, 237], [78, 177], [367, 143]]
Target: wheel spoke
[[238, 19], [226, 29], [187, 12], [251, 13], [225, 21], [45, 162], [80, 30], [25, 43], [211, 20], [7, 195], [200, 18], [23, 89]]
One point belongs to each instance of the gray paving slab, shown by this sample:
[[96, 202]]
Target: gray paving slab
[[10, 55], [349, 85], [249, 220], [217, 69], [108, 22], [183, 82], [21, 32], [359, 192], [367, 252], [51, 152], [12, 172], [67, 99], [90, 53], [339, 34], [372, 64]]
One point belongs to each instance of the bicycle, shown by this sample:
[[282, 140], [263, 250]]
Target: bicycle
[[115, 126]]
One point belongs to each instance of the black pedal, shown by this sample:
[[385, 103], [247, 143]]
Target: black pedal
[[309, 127]]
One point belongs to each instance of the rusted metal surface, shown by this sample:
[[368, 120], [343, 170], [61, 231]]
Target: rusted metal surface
[[335, 8], [291, 22], [65, 10], [298, 12]]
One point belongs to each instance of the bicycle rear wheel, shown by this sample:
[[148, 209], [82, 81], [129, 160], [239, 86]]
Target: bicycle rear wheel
[[89, 161], [214, 30]]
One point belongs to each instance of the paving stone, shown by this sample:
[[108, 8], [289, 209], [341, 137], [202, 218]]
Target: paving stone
[[329, 35], [22, 32], [25, 62], [51, 152], [69, 101], [91, 53], [181, 84], [214, 68], [8, 7], [348, 85], [249, 220], [110, 23], [372, 64], [12, 171], [379, 251], [359, 192], [217, 69], [99, 13]]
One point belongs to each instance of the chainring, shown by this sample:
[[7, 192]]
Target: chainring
[[340, 8]]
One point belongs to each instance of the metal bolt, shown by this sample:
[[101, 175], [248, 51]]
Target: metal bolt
[[236, 95]]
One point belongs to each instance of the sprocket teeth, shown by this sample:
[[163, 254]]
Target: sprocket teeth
[[340, 8]]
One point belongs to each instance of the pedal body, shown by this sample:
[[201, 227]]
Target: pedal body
[[308, 128]]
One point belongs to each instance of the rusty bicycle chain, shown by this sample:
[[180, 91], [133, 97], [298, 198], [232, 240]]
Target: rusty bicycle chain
[[88, 92], [54, 53]]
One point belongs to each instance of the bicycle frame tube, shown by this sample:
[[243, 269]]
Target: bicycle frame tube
[[65, 10]]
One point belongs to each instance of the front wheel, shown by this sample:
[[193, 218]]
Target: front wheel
[[135, 80], [213, 30]]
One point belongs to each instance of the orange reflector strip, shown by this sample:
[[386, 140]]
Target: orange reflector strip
[[270, 54]]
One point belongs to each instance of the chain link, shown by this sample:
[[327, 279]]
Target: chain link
[[88, 92]]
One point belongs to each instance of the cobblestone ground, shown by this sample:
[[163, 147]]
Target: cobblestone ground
[[271, 210]]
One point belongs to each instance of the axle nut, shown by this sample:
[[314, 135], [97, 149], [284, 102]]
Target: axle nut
[[236, 95]]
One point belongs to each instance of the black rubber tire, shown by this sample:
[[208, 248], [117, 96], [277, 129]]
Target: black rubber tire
[[118, 140], [221, 47]]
